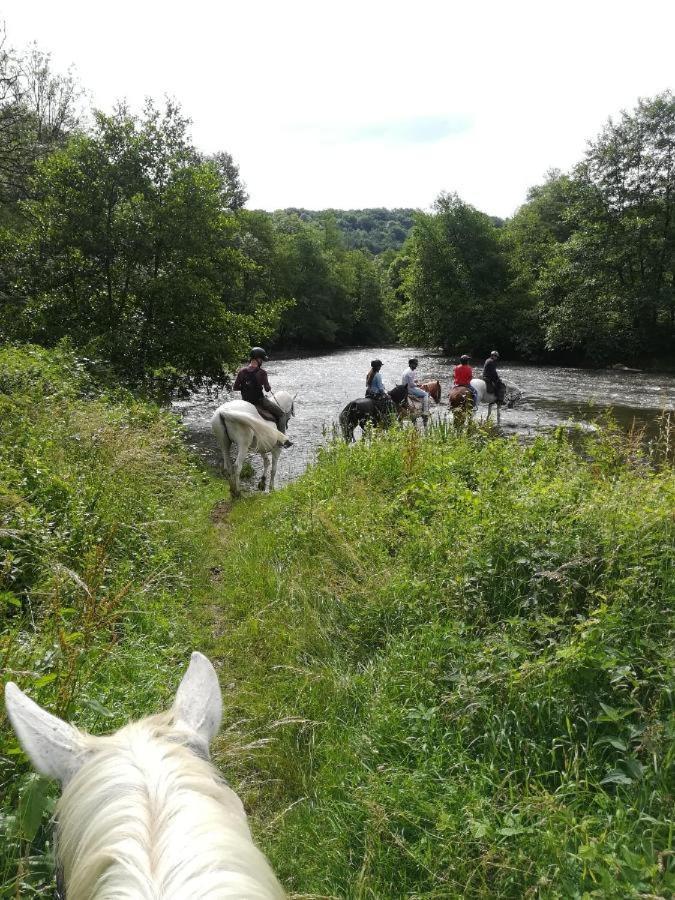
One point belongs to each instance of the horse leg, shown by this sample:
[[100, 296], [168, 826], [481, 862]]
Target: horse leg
[[225, 444], [346, 424], [276, 453], [499, 414], [266, 467], [242, 452]]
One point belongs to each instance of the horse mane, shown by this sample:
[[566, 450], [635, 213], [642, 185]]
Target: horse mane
[[147, 817], [398, 393]]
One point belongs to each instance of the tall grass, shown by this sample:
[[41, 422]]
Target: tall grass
[[104, 550], [454, 654]]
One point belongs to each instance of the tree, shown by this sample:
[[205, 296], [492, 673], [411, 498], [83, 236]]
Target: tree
[[38, 110], [130, 253], [233, 190], [456, 280], [608, 290]]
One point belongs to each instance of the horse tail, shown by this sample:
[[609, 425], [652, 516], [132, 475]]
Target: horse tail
[[346, 423], [219, 428]]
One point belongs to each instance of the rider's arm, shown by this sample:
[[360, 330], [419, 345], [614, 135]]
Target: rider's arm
[[264, 380], [237, 382]]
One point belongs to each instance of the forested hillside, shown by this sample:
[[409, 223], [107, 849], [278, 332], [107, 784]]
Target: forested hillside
[[375, 230]]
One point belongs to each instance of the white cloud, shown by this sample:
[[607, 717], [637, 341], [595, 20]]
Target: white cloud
[[322, 105]]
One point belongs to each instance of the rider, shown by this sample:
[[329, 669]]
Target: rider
[[251, 380], [374, 384], [463, 375], [491, 377], [375, 387], [414, 390]]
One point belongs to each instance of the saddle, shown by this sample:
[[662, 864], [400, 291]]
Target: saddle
[[266, 415]]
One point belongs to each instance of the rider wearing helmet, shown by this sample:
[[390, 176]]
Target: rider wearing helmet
[[374, 384], [463, 374], [375, 388], [491, 377], [251, 380], [414, 390]]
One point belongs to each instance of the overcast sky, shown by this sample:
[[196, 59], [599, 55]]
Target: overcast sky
[[364, 103]]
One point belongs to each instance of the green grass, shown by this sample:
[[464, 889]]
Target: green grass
[[105, 549], [447, 661], [454, 652]]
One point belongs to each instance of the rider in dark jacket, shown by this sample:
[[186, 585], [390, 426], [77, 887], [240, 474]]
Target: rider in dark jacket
[[491, 377], [251, 380]]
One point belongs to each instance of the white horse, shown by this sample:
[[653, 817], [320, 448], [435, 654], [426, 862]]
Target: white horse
[[238, 422], [143, 814], [511, 397]]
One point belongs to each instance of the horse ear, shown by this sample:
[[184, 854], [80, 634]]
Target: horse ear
[[198, 705], [55, 748]]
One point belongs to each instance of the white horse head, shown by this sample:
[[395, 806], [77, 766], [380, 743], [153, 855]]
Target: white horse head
[[143, 813]]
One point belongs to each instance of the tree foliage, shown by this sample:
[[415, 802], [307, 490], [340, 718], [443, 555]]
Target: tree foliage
[[132, 254], [596, 248], [455, 285]]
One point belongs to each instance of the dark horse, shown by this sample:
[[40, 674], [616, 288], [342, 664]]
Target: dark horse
[[358, 412]]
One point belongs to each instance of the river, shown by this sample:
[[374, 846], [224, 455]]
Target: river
[[325, 383]]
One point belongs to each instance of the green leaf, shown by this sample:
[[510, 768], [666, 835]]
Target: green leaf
[[97, 707], [614, 742], [45, 679], [616, 776], [33, 803]]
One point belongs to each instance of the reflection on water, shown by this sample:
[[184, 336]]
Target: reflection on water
[[325, 383]]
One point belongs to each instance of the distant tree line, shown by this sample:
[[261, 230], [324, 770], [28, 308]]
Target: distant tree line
[[119, 236]]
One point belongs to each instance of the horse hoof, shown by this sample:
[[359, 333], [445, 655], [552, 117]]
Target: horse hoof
[[261, 484]]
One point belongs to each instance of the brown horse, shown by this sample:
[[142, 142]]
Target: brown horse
[[461, 404], [414, 409], [433, 388]]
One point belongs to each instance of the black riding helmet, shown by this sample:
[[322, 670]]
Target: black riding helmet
[[376, 364], [465, 358], [258, 353]]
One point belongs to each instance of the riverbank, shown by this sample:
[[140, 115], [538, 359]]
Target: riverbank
[[444, 659]]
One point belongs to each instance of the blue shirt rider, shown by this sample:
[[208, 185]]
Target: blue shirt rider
[[374, 384]]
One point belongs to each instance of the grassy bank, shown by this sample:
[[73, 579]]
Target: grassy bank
[[445, 660], [457, 651], [105, 548]]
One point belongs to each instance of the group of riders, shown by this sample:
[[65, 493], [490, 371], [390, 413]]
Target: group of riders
[[254, 384], [463, 373]]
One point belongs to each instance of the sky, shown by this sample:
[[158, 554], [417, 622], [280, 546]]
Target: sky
[[364, 103]]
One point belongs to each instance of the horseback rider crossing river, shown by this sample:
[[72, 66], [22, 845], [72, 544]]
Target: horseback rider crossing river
[[491, 377], [251, 380], [414, 390]]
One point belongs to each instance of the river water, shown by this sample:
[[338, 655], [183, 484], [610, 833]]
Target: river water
[[325, 383]]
